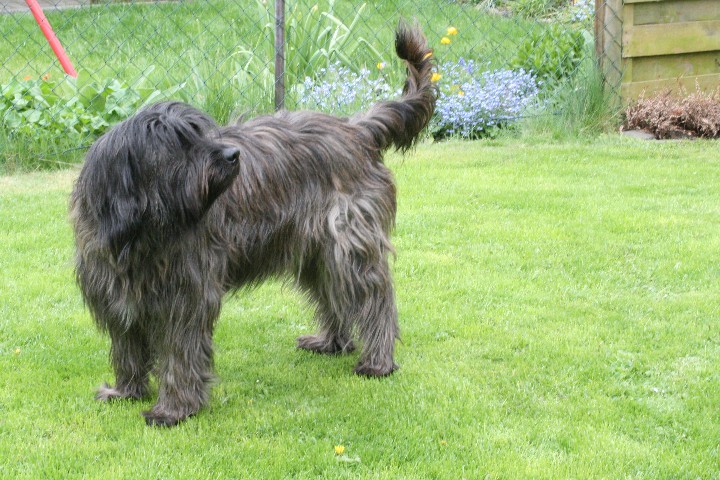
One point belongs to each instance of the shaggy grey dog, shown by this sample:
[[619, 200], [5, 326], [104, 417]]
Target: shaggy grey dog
[[170, 212]]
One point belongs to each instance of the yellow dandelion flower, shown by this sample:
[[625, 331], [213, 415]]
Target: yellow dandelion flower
[[380, 65], [461, 93], [445, 41], [435, 77], [452, 31], [339, 449]]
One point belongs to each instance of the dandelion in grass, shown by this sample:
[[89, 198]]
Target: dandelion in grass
[[452, 31], [380, 65], [435, 77], [339, 449], [445, 41]]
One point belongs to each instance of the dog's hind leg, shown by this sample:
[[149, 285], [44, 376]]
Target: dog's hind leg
[[331, 338], [358, 283], [131, 359], [375, 315], [334, 335]]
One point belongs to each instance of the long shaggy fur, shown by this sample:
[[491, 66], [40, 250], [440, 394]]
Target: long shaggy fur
[[170, 212]]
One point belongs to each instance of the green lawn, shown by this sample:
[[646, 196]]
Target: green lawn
[[559, 307]]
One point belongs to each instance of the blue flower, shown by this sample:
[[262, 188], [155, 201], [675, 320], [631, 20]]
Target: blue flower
[[469, 106]]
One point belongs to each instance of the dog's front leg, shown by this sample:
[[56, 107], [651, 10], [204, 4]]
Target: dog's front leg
[[184, 373], [131, 360]]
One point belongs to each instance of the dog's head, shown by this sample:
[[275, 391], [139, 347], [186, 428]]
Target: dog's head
[[155, 174]]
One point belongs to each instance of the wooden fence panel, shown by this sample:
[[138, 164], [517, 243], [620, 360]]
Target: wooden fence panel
[[664, 44]]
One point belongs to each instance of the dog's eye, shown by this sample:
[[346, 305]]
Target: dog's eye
[[196, 128]]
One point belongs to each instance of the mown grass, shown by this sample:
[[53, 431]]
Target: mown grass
[[559, 309]]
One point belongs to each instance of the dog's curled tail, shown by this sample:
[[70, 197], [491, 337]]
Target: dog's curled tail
[[400, 122]]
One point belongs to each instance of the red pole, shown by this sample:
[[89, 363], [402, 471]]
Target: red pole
[[51, 38]]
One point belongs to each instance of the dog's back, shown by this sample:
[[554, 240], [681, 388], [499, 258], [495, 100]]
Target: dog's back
[[297, 168]]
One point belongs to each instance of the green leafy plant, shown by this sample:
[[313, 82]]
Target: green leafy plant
[[46, 123], [536, 8], [523, 8], [551, 54], [81, 107], [315, 40]]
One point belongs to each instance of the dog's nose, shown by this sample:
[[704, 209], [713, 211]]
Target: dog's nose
[[231, 154]]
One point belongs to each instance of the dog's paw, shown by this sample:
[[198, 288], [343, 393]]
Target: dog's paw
[[322, 344], [107, 393], [376, 370], [158, 418]]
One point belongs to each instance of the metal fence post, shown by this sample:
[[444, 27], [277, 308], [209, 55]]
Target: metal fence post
[[279, 54]]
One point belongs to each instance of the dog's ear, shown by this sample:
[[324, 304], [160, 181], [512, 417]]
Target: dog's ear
[[115, 195], [123, 222]]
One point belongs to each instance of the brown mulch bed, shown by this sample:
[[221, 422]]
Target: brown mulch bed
[[667, 116]]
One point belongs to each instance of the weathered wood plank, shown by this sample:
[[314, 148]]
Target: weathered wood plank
[[673, 66], [671, 38], [627, 70], [631, 91], [627, 63], [668, 45], [676, 11], [599, 30], [608, 29]]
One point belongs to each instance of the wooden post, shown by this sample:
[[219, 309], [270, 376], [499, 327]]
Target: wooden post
[[608, 41], [599, 31], [279, 54]]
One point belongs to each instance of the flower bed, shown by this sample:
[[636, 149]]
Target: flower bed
[[471, 103]]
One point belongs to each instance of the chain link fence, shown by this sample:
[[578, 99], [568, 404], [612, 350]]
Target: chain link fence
[[496, 59]]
